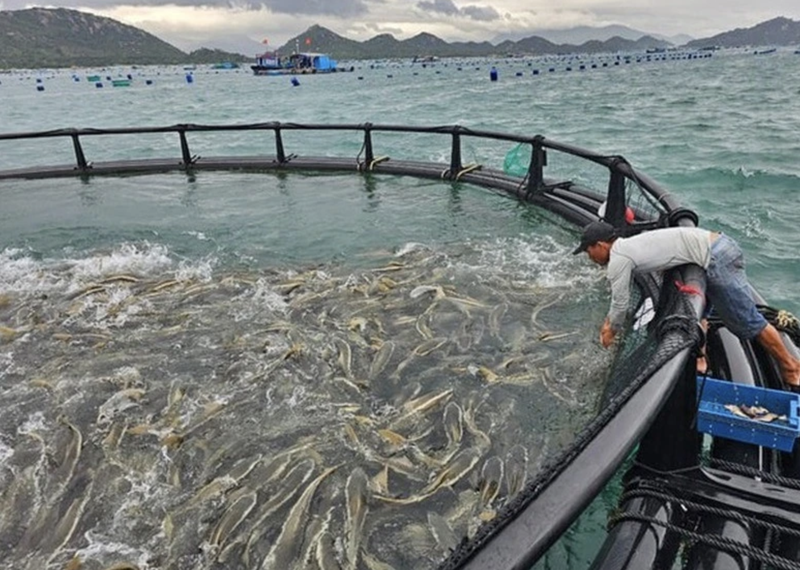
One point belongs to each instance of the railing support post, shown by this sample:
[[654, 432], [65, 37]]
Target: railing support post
[[79, 156], [186, 156], [369, 155], [455, 153], [615, 201], [536, 167], [279, 152]]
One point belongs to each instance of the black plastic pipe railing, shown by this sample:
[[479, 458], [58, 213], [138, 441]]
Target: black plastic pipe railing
[[619, 168]]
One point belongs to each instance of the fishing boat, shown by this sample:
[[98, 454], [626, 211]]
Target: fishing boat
[[704, 498], [270, 63]]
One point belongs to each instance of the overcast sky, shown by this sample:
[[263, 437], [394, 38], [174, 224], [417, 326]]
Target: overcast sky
[[188, 24]]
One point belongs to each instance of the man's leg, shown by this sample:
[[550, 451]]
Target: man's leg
[[702, 357], [770, 339]]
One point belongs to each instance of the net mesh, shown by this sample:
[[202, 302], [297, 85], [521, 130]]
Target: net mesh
[[517, 160], [663, 324]]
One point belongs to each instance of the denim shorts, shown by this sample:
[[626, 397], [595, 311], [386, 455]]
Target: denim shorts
[[729, 291]]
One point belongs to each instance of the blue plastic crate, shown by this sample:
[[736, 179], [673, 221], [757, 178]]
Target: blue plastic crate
[[715, 420]]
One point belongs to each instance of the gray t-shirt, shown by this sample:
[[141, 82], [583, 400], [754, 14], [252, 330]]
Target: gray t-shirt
[[655, 250]]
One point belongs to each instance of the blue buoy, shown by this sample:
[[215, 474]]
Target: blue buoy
[[518, 74], [536, 72], [551, 70], [98, 85], [40, 87], [189, 78], [148, 81], [493, 74], [295, 81]]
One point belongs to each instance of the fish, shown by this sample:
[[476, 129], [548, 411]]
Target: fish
[[232, 518], [294, 479], [167, 284], [420, 405], [442, 532], [422, 325], [373, 563], [557, 389], [61, 534], [490, 480], [756, 413], [496, 318], [325, 553], [58, 481], [382, 357], [119, 402], [121, 278], [357, 508], [345, 358], [419, 290], [287, 546], [458, 467], [380, 482], [453, 420], [86, 291], [481, 438], [516, 469], [547, 303], [484, 372], [548, 336], [429, 346]]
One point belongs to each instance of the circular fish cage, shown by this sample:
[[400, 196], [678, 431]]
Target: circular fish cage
[[393, 415]]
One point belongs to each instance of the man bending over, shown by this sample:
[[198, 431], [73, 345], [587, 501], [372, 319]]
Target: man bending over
[[657, 250]]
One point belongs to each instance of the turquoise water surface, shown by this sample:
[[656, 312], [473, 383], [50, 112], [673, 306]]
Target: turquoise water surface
[[720, 133]]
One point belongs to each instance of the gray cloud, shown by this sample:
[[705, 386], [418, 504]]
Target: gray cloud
[[342, 8], [338, 8], [439, 6], [446, 7], [481, 13]]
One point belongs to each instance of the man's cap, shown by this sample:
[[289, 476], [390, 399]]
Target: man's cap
[[593, 233]]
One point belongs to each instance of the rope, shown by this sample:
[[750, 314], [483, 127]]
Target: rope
[[467, 170], [719, 542], [782, 320], [700, 507], [753, 472], [377, 161]]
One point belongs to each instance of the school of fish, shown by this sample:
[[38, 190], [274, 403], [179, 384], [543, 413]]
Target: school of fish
[[325, 417]]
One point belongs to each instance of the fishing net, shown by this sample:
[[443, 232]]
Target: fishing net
[[663, 324], [517, 160]]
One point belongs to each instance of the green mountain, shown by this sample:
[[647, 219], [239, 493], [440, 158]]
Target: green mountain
[[384, 46], [43, 37], [775, 32]]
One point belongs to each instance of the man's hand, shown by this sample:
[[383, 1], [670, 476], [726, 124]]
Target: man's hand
[[607, 334]]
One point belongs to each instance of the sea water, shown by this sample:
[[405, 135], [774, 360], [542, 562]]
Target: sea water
[[720, 133]]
